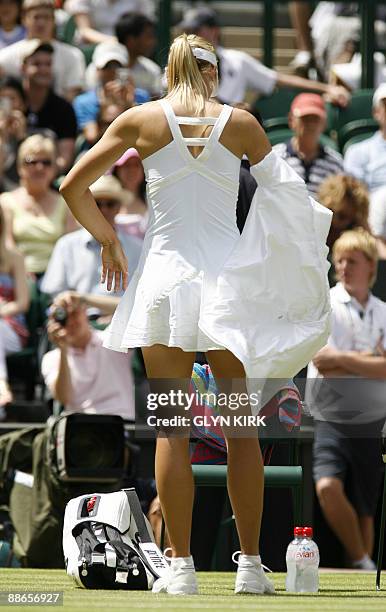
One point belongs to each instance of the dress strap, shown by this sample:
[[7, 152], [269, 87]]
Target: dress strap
[[206, 142], [221, 122], [171, 119], [196, 120]]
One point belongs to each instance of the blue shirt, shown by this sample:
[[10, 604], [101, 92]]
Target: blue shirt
[[75, 263], [366, 161], [87, 105]]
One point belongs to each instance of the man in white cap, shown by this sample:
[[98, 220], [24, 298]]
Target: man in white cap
[[366, 160], [239, 71], [68, 62], [75, 261], [109, 63]]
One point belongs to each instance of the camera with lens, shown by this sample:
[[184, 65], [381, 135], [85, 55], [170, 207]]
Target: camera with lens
[[60, 315]]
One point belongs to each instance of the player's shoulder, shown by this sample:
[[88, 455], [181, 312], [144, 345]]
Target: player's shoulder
[[243, 119]]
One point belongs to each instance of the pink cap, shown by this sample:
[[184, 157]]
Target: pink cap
[[308, 104], [308, 532], [127, 155]]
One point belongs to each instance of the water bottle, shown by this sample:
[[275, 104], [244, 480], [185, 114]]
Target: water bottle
[[291, 559], [307, 564]]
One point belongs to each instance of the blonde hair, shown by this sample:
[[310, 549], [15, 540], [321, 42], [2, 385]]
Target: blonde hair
[[357, 240], [36, 144], [185, 73], [339, 187]]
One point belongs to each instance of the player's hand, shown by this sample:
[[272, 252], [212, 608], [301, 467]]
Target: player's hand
[[114, 266]]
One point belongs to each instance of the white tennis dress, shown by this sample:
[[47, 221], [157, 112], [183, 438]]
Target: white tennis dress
[[199, 285]]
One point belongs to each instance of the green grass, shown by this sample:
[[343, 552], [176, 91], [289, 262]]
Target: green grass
[[342, 592]]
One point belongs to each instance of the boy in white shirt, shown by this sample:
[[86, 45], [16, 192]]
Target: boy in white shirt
[[349, 404]]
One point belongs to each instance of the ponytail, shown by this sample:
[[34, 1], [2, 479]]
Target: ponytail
[[185, 73]]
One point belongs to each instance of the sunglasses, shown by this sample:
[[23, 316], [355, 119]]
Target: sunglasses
[[47, 163], [107, 203]]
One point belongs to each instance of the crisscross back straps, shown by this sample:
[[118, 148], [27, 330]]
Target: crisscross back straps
[[183, 143]]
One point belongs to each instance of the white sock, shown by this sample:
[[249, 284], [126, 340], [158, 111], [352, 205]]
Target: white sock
[[182, 562], [245, 559], [363, 560]]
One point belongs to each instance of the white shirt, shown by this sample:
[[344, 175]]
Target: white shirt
[[240, 72], [102, 380], [377, 212], [354, 328], [68, 64], [104, 14], [366, 161], [147, 75], [75, 263]]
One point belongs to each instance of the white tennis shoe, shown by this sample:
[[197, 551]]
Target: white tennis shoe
[[180, 579], [250, 576]]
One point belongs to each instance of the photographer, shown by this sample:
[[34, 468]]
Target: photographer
[[80, 373]]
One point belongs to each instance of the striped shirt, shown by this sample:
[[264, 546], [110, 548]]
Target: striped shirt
[[314, 172]]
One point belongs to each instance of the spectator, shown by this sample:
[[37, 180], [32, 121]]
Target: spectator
[[75, 261], [68, 62], [348, 199], [80, 373], [240, 72], [300, 13], [12, 128], [46, 110], [11, 31], [14, 301], [347, 462], [335, 30], [137, 33], [312, 160], [377, 219], [366, 160], [36, 216], [133, 215], [108, 59], [95, 19]]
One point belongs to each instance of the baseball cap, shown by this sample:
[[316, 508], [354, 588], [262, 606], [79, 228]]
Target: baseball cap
[[33, 45], [107, 52], [379, 94], [308, 104], [196, 18]]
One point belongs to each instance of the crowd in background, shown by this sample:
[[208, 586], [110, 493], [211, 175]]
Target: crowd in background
[[56, 101]]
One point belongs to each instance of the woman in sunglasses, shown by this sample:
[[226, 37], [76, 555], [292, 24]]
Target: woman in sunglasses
[[36, 215]]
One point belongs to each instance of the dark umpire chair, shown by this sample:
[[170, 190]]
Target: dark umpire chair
[[383, 514]]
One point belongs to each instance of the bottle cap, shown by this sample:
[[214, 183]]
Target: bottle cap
[[298, 531], [308, 532]]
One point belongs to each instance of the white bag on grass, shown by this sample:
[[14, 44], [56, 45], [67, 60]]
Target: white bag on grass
[[108, 543]]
